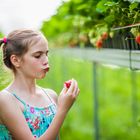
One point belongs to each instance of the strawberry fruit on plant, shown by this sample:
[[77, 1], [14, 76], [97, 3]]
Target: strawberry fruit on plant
[[104, 35], [137, 39], [99, 43]]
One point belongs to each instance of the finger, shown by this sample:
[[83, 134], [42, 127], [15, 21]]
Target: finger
[[75, 86], [71, 88], [64, 90], [76, 91]]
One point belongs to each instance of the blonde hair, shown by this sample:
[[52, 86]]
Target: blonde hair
[[18, 42]]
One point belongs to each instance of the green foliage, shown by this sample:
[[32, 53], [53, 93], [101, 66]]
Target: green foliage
[[118, 119], [76, 17], [1, 35]]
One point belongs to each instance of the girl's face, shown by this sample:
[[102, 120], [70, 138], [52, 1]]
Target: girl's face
[[35, 61]]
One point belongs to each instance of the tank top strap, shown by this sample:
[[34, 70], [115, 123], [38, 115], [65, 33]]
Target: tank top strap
[[18, 98], [50, 98]]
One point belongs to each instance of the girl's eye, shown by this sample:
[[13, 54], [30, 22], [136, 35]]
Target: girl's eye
[[38, 56]]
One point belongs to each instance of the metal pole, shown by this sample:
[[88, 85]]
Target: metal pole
[[95, 99], [134, 97]]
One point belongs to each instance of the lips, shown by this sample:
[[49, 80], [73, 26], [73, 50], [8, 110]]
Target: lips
[[47, 69]]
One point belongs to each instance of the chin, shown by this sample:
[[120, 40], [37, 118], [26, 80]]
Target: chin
[[40, 76]]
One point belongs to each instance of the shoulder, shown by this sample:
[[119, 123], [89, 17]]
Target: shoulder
[[7, 103], [5, 98], [51, 93], [11, 116]]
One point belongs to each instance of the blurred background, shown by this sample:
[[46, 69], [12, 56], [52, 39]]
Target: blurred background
[[108, 107]]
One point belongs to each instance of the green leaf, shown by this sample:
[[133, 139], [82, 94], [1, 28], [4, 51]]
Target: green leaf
[[109, 3], [133, 6], [109, 19], [100, 7], [82, 6]]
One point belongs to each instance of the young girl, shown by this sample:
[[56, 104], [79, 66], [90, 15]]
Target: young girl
[[27, 111]]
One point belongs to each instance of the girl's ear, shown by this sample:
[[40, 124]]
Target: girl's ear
[[15, 60]]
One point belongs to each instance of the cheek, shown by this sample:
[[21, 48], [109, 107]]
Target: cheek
[[36, 64], [36, 69]]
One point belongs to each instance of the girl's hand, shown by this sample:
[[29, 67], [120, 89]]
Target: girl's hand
[[67, 96]]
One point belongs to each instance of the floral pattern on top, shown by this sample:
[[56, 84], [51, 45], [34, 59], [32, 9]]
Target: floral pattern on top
[[38, 120]]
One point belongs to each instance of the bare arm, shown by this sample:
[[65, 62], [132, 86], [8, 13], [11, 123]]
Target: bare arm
[[11, 115], [65, 101]]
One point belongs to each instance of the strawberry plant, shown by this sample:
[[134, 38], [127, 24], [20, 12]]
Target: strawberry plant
[[104, 35], [137, 39], [93, 18], [99, 43]]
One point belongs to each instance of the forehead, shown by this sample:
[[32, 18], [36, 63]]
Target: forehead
[[40, 45]]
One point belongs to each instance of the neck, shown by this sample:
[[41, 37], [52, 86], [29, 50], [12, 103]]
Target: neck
[[24, 84]]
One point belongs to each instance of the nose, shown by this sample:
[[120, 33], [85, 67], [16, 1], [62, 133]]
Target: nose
[[45, 60]]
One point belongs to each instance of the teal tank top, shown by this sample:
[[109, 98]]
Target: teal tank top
[[37, 118]]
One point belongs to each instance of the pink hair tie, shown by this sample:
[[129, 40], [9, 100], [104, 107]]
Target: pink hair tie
[[4, 40]]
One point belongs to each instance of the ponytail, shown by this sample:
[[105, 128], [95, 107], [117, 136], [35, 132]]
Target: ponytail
[[3, 41], [17, 42]]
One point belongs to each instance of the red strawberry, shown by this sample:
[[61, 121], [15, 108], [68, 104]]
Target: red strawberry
[[99, 43], [67, 84], [137, 39], [105, 35]]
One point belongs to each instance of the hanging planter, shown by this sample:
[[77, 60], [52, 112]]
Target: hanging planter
[[125, 41]]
